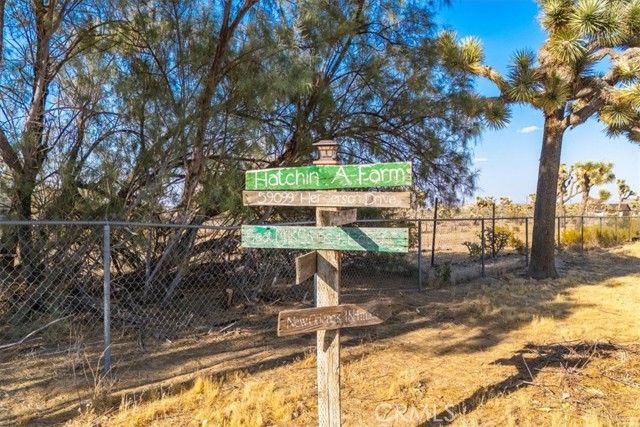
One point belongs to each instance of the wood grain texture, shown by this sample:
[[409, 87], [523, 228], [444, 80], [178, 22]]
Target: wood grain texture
[[353, 199], [305, 266], [329, 266], [293, 322], [331, 238], [336, 219], [327, 177]]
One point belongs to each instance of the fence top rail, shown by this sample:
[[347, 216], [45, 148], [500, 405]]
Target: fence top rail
[[237, 227], [513, 218], [117, 224], [137, 224]]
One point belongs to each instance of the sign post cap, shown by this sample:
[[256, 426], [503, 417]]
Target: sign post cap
[[328, 152]]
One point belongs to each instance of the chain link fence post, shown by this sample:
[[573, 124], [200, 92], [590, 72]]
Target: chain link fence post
[[601, 227], [419, 255], [106, 242], [433, 239]]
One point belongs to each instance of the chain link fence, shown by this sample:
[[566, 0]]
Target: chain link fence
[[146, 283]]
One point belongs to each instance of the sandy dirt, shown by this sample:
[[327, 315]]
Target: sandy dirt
[[504, 351]]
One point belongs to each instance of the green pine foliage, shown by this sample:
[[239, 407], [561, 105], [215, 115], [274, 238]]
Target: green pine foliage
[[156, 109]]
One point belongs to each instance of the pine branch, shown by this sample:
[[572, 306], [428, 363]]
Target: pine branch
[[8, 155]]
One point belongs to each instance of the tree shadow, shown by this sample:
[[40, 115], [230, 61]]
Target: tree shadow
[[480, 305], [529, 362]]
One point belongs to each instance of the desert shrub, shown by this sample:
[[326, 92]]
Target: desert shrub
[[607, 237], [475, 249], [593, 236], [517, 244], [634, 227], [571, 236], [445, 273], [498, 240]]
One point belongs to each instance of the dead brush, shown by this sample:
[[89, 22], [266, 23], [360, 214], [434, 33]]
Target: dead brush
[[101, 384]]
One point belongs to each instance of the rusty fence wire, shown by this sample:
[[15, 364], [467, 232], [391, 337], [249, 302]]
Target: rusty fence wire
[[159, 281]]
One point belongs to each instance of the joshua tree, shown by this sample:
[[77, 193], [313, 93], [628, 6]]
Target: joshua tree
[[624, 193], [561, 81], [590, 174]]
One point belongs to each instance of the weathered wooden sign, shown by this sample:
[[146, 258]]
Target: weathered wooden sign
[[353, 199], [331, 238], [292, 322], [306, 266], [328, 177], [275, 187], [338, 218]]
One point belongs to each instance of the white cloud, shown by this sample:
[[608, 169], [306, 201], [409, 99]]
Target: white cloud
[[528, 129], [480, 159]]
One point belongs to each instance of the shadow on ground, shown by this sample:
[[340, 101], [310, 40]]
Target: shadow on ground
[[69, 381], [529, 363]]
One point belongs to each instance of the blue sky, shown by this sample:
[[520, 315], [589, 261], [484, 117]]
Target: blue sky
[[508, 158]]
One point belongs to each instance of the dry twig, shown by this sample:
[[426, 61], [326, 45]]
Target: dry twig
[[32, 333]]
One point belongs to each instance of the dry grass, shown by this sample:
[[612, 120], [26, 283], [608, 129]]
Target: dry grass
[[492, 352]]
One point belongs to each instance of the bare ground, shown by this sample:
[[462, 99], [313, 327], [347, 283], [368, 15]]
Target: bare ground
[[503, 351]]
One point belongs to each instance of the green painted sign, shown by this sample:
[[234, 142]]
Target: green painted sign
[[330, 238], [328, 177]]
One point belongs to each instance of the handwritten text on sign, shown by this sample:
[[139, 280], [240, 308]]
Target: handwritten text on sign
[[330, 177], [354, 199], [330, 238], [291, 322]]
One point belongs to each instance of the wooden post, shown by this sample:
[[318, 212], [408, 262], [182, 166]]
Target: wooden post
[[328, 294]]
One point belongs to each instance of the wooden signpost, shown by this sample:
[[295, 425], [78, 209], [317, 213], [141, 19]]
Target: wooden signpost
[[281, 187], [336, 219]]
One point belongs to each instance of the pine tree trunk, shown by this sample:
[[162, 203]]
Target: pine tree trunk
[[543, 263]]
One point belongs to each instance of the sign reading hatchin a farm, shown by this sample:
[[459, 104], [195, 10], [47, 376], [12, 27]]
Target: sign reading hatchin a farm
[[329, 177]]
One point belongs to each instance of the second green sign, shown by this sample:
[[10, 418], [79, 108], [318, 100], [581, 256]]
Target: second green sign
[[330, 238]]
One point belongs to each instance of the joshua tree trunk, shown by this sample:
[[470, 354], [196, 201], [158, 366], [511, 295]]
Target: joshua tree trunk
[[543, 264]]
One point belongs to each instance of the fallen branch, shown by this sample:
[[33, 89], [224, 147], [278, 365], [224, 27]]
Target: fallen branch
[[625, 382], [32, 333], [228, 326]]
